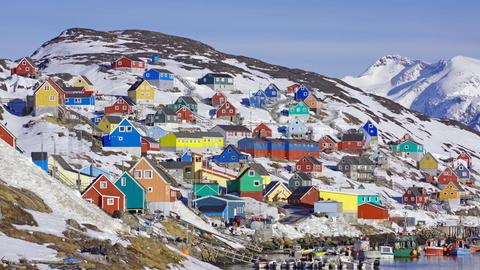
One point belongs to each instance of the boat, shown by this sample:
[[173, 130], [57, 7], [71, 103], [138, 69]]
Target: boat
[[474, 243], [406, 247], [458, 248], [314, 253], [386, 252], [436, 247]]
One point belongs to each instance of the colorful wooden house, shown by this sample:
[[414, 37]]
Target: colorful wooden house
[[260, 170], [150, 145], [358, 168], [135, 193], [157, 184], [276, 191], [327, 144], [82, 81], [142, 93], [293, 88], [352, 143], [7, 136], [162, 79], [218, 99], [217, 81], [47, 97], [185, 115], [227, 112], [463, 174], [370, 132], [205, 189], [249, 183], [163, 115], [299, 109], [261, 131], [409, 149], [304, 196], [232, 133], [451, 191], [350, 198], [314, 103], [103, 193], [60, 169], [464, 158], [201, 141], [272, 92], [379, 158], [256, 147], [26, 67], [259, 99], [185, 101], [296, 129], [372, 211], [125, 137], [446, 176], [109, 123], [226, 208], [40, 159], [85, 101], [122, 106], [130, 64], [230, 155], [416, 196], [299, 179], [428, 164], [302, 93], [309, 165]]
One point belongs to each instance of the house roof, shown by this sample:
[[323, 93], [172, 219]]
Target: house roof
[[302, 176], [77, 95], [416, 190], [61, 161], [257, 167], [39, 155], [354, 160], [270, 187], [72, 89], [135, 85], [352, 137], [6, 129], [167, 110], [162, 70], [226, 198], [221, 75], [86, 79], [200, 134], [238, 128], [131, 58], [329, 138], [188, 99], [115, 119], [299, 192], [458, 186], [173, 165], [128, 100], [150, 139], [313, 160]]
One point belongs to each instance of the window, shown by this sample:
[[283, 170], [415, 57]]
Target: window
[[147, 174], [138, 174], [406, 147], [120, 138], [52, 98], [116, 107], [67, 100], [299, 167], [27, 69], [308, 167], [110, 201], [103, 184], [47, 87], [256, 183], [305, 94], [147, 75], [129, 129], [121, 129], [24, 63], [123, 181], [150, 189], [251, 173], [89, 200]]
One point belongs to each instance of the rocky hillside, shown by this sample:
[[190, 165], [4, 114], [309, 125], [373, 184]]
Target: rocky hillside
[[448, 89]]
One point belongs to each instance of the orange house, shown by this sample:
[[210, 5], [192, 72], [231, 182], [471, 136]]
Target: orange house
[[157, 183]]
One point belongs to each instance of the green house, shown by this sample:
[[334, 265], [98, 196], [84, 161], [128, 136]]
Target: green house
[[135, 195], [249, 183], [409, 149], [205, 189], [299, 109], [186, 101]]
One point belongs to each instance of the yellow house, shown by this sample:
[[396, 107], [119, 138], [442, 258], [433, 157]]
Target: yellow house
[[451, 191], [428, 164], [47, 97], [203, 142], [349, 200], [109, 123], [82, 81], [61, 170], [276, 191], [142, 92]]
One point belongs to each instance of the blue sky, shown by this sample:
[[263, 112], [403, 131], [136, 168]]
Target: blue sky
[[334, 38]]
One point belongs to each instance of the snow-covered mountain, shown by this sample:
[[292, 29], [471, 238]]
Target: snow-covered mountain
[[445, 89]]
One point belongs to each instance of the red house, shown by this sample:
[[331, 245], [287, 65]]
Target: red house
[[218, 99], [123, 105], [372, 211], [352, 143], [7, 136], [129, 63], [150, 145], [309, 165], [26, 67], [416, 196], [447, 176], [184, 115], [105, 195], [293, 88], [226, 111], [304, 196], [465, 158], [261, 131], [327, 144]]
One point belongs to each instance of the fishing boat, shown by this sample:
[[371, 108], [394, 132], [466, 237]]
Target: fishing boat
[[474, 243], [458, 248], [406, 247], [435, 247], [362, 250], [386, 252], [314, 253]]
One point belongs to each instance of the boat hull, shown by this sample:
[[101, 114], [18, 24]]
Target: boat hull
[[405, 253], [434, 251], [474, 249], [460, 251]]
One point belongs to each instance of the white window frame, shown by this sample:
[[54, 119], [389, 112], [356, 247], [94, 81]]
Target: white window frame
[[123, 181], [52, 98], [120, 138], [150, 189], [251, 173], [145, 174], [121, 128], [128, 129], [103, 185], [138, 174], [110, 201]]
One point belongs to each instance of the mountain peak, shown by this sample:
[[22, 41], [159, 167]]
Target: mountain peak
[[393, 59]]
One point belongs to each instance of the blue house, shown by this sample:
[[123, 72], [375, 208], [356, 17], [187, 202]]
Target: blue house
[[302, 93], [41, 160], [297, 129], [370, 131], [80, 100], [124, 137], [160, 78], [259, 99], [187, 156], [226, 207], [94, 171], [155, 59], [272, 91], [230, 155]]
